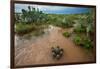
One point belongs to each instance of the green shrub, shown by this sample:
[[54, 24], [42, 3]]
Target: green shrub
[[67, 22], [87, 43], [66, 34], [77, 39], [24, 28], [79, 28]]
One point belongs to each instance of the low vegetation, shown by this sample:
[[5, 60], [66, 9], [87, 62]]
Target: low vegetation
[[77, 39], [66, 34], [34, 20], [24, 28], [83, 29], [83, 41]]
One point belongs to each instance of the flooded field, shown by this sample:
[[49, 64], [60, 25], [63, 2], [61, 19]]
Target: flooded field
[[37, 49]]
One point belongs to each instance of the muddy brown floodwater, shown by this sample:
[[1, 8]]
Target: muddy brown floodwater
[[37, 50]]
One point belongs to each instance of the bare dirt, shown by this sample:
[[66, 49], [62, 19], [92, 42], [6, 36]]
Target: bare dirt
[[38, 51]]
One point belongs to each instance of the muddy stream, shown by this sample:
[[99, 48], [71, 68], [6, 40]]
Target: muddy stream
[[37, 50]]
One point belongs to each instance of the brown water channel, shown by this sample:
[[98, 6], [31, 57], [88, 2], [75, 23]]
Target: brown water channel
[[37, 50]]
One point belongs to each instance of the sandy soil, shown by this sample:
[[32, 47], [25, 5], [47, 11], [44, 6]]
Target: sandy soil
[[39, 51]]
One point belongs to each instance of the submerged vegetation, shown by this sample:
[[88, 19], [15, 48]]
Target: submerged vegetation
[[66, 34], [34, 20]]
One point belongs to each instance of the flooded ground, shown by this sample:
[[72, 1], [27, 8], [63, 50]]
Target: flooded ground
[[37, 50]]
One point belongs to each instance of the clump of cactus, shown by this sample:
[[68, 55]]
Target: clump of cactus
[[57, 52]]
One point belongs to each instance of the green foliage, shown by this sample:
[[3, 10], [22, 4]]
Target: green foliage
[[85, 23], [21, 28], [31, 15], [33, 20], [83, 41], [80, 26], [79, 29], [67, 22], [87, 43], [77, 39], [30, 20], [66, 34], [63, 20]]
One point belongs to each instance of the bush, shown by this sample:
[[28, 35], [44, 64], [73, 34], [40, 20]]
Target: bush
[[83, 41], [79, 30], [77, 39], [66, 34], [66, 23], [21, 28], [87, 43]]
